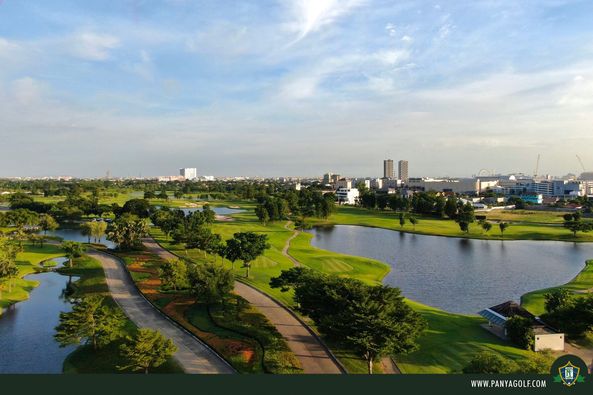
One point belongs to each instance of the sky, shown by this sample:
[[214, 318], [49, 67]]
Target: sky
[[294, 87]]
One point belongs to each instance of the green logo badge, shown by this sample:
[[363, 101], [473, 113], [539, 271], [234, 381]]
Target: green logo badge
[[569, 370]]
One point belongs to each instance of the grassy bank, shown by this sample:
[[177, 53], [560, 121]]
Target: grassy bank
[[104, 360], [28, 262], [534, 301], [451, 341], [524, 225]]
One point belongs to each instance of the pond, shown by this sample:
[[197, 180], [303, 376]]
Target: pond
[[27, 344], [459, 275], [75, 234], [217, 210]]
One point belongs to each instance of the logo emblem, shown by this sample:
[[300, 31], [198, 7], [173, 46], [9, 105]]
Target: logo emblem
[[569, 374]]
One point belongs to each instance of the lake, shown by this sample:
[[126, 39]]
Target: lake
[[459, 275], [75, 234], [27, 344]]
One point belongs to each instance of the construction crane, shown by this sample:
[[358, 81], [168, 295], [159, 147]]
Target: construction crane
[[582, 165], [537, 165]]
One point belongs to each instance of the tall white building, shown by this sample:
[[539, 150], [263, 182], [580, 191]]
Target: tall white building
[[190, 173]]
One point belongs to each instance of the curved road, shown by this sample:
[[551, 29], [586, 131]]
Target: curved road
[[192, 355], [313, 356]]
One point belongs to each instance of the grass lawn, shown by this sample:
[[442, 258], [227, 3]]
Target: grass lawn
[[524, 225], [27, 262], [534, 301], [451, 341], [104, 360]]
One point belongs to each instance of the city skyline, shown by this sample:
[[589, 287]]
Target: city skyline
[[290, 87]]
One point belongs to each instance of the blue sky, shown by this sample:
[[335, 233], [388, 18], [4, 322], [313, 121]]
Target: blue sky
[[294, 87]]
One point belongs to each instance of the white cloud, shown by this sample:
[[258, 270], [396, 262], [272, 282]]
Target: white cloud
[[406, 38], [26, 90], [93, 46], [6, 47], [391, 29], [578, 93], [311, 15], [144, 67]]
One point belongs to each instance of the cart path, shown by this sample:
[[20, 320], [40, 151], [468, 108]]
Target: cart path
[[312, 355], [287, 244], [193, 356]]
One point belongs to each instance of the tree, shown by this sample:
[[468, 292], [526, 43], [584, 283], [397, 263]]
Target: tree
[[402, 220], [173, 274], [137, 207], [146, 350], [413, 220], [556, 299], [149, 195], [574, 223], [490, 363], [163, 195], [519, 331], [451, 207], [503, 226], [72, 250], [47, 222], [486, 226], [127, 232], [381, 323], [246, 246], [86, 230], [98, 229], [465, 217], [91, 321], [373, 320], [262, 214], [210, 283], [8, 267]]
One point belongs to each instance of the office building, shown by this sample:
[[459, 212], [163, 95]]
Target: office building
[[347, 196], [402, 171], [388, 168], [189, 173]]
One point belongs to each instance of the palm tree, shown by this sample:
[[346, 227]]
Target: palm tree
[[503, 226], [413, 220], [72, 250]]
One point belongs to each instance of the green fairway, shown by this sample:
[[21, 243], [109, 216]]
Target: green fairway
[[523, 225], [534, 301], [28, 262], [451, 341]]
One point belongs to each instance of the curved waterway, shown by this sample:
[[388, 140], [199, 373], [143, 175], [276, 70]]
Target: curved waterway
[[459, 275], [27, 342]]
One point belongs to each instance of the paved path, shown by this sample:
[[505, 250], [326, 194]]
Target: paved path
[[313, 357], [287, 244], [192, 355]]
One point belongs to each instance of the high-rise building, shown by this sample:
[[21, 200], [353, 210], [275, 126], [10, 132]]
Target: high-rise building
[[402, 170], [190, 173], [388, 168]]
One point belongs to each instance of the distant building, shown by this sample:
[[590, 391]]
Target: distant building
[[377, 183], [343, 183], [545, 338], [347, 196], [170, 178], [327, 178], [586, 176], [402, 171], [388, 168], [189, 173], [471, 186]]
